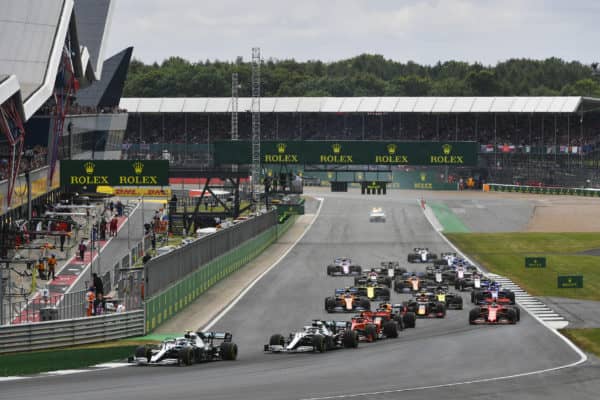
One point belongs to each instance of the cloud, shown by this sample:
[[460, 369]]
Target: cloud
[[422, 30]]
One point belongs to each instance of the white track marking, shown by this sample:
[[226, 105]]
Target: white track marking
[[12, 378], [258, 278]]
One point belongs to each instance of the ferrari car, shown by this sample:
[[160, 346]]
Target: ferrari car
[[343, 266], [426, 306], [319, 336], [377, 215], [375, 325], [346, 300], [421, 255], [493, 294], [193, 347], [494, 313]]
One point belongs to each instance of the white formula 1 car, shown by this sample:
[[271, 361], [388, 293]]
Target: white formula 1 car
[[342, 266], [421, 255]]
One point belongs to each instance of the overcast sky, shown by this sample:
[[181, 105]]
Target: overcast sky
[[424, 31]]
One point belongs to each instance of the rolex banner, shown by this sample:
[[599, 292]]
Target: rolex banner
[[349, 153], [87, 174]]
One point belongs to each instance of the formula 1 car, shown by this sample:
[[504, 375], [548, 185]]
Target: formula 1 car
[[493, 294], [409, 282], [191, 348], [426, 306], [375, 275], [446, 259], [320, 336], [373, 291], [347, 300], [494, 313], [393, 268], [343, 266], [453, 301], [421, 255], [375, 325], [377, 215]]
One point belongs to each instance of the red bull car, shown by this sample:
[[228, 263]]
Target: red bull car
[[426, 306], [494, 314]]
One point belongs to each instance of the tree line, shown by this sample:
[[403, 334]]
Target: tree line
[[364, 75]]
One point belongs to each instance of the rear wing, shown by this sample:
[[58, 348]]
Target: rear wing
[[351, 290], [224, 336], [390, 264]]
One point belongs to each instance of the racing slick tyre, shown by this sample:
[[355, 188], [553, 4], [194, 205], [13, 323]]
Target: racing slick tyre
[[440, 310], [229, 350], [474, 314], [388, 282], [185, 356], [330, 304], [458, 303], [409, 319], [399, 285], [400, 323], [371, 332], [276, 340], [517, 312], [319, 344], [512, 315], [365, 303], [356, 269], [511, 296], [411, 258], [357, 280], [331, 269], [143, 351], [329, 343], [350, 339], [385, 294], [390, 329]]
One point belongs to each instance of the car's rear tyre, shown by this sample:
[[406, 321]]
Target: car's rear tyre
[[399, 285], [365, 303], [185, 356], [276, 340], [440, 309], [319, 344], [331, 269], [229, 350], [400, 323], [143, 352], [350, 339], [371, 332], [329, 304], [357, 269], [511, 296], [385, 294], [511, 315], [410, 319], [390, 329]]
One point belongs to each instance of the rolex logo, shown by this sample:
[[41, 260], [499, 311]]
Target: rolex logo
[[447, 149], [89, 167], [423, 176], [391, 148], [138, 167], [336, 147], [281, 148]]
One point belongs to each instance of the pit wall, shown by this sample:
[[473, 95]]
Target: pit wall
[[495, 187]]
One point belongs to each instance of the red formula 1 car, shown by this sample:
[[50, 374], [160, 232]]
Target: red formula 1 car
[[494, 313], [375, 325]]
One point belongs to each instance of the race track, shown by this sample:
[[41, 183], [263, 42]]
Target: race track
[[445, 352]]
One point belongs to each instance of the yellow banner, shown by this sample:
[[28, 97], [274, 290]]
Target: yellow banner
[[134, 192]]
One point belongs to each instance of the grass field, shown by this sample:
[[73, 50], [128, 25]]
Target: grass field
[[588, 339], [52, 360], [504, 254]]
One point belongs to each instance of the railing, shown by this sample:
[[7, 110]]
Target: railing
[[40, 308], [72, 332]]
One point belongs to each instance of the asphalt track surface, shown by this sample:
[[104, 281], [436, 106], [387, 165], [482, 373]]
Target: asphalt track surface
[[438, 359]]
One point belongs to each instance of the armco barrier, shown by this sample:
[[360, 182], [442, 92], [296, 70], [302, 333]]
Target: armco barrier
[[170, 301], [71, 332], [495, 187]]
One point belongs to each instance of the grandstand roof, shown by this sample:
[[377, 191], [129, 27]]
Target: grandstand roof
[[361, 104], [33, 38]]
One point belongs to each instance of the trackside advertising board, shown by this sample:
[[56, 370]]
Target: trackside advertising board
[[349, 153], [86, 173]]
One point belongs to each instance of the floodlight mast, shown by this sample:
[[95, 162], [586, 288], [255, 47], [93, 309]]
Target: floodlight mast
[[255, 109], [234, 106]]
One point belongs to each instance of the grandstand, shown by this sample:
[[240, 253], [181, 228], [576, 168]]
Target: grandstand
[[541, 140], [50, 52]]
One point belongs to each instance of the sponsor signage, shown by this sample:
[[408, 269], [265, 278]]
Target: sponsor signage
[[535, 262], [84, 173], [570, 281], [349, 153]]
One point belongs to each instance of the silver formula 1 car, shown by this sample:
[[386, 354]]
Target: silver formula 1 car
[[320, 336]]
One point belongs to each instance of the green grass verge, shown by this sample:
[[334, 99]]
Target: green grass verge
[[449, 221], [52, 360], [588, 339], [504, 254]]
